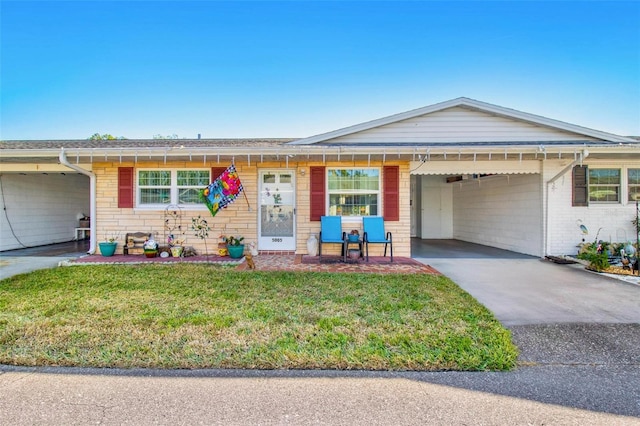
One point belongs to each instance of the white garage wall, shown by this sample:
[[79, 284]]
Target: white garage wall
[[613, 221], [41, 209], [502, 211]]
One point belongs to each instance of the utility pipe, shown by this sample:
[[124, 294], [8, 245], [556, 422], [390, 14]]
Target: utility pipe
[[92, 198], [584, 154]]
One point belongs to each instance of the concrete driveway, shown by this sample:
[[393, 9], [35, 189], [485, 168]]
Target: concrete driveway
[[570, 325], [521, 289], [21, 261]]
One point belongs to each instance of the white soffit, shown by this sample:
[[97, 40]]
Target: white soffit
[[474, 167]]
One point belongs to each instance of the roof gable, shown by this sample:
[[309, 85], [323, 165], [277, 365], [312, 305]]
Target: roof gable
[[461, 120]]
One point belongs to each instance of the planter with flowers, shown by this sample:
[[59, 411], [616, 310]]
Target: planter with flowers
[[150, 248], [108, 247], [235, 246], [176, 247]]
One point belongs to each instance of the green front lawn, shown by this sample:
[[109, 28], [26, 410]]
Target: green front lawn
[[199, 316]]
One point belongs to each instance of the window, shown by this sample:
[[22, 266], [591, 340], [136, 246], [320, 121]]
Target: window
[[190, 182], [154, 186], [634, 184], [164, 187], [353, 192], [604, 185]]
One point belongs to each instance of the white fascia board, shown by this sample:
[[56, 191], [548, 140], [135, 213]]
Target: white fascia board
[[26, 153], [544, 121], [37, 167], [91, 155], [470, 103]]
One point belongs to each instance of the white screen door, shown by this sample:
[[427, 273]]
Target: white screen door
[[277, 210]]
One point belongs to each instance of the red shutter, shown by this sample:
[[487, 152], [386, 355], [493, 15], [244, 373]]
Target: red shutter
[[216, 172], [125, 187], [391, 189], [317, 195]]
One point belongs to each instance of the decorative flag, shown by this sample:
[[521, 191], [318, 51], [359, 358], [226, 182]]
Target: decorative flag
[[222, 191]]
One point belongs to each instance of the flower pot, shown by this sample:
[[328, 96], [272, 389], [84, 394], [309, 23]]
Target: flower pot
[[107, 248], [151, 253], [176, 251], [236, 252], [354, 238]]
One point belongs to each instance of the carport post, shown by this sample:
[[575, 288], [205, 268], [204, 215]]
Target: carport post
[[92, 198]]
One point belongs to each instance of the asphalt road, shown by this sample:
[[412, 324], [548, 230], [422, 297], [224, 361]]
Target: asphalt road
[[532, 395]]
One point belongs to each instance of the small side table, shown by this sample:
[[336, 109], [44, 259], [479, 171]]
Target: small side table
[[348, 243], [84, 233]]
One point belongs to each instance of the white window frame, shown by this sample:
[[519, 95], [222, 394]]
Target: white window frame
[[173, 189], [630, 185], [619, 185], [329, 192]]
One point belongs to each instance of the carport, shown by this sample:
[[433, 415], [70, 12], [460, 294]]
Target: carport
[[41, 207], [493, 203]]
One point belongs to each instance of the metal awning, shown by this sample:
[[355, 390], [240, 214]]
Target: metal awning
[[475, 167]]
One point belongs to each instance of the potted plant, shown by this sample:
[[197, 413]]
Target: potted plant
[[150, 248], [354, 236], [108, 246], [176, 248], [596, 254], [235, 246]]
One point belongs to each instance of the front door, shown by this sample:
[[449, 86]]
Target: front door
[[277, 221]]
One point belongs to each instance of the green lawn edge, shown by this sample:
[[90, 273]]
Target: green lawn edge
[[187, 316]]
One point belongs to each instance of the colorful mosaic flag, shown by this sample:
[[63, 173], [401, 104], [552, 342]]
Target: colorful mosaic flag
[[222, 191]]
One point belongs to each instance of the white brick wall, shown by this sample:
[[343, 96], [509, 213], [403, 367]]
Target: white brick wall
[[502, 211], [613, 221]]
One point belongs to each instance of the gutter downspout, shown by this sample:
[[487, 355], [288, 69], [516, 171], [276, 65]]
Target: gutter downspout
[[584, 154], [92, 200]]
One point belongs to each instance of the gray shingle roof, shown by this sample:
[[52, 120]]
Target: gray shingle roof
[[143, 143]]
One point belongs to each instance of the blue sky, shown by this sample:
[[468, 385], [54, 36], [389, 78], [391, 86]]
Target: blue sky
[[296, 68]]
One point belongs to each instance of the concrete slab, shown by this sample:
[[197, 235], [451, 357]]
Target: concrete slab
[[14, 262], [521, 289]]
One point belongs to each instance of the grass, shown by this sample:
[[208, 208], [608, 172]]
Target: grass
[[199, 316]]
